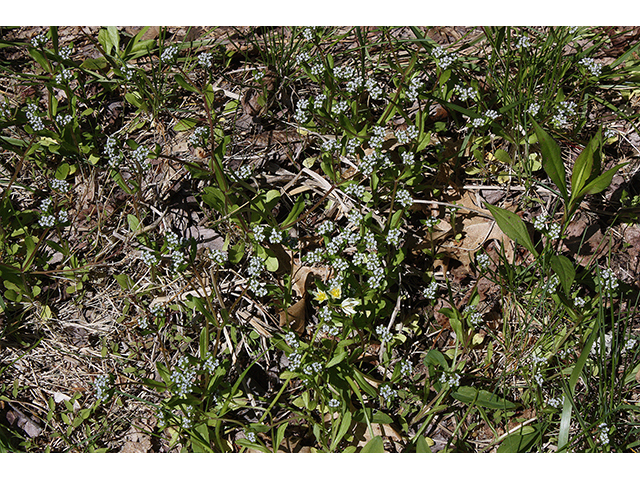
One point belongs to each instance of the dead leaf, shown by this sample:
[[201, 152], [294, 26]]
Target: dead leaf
[[295, 316]]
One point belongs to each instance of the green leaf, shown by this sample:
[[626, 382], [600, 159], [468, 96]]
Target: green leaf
[[422, 446], [519, 442], [375, 445], [600, 183], [472, 396], [185, 124], [124, 281], [513, 226], [345, 425], [565, 271], [503, 156], [295, 212], [134, 223], [552, 160], [279, 436], [338, 358], [583, 167], [236, 252], [184, 84]]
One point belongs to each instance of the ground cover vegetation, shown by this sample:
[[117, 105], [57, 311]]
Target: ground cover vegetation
[[319, 239]]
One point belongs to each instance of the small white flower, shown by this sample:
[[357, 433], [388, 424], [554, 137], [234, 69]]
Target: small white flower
[[348, 305]]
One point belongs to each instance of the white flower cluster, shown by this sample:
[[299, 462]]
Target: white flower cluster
[[199, 137], [204, 59], [331, 146], [314, 367], [318, 102], [169, 54], [595, 348], [256, 267], [430, 291], [128, 72], [64, 76], [39, 41], [187, 419], [408, 135], [629, 346], [183, 376], [250, 436], [465, 93], [555, 402], [443, 58], [61, 186], [523, 42], [375, 90], [157, 310], [174, 243], [394, 237], [141, 156], [210, 364], [551, 230], [451, 379], [63, 120], [242, 173], [590, 64], [406, 368], [5, 110], [533, 109], [65, 52], [431, 222], [579, 302], [408, 158], [604, 433], [387, 392], [112, 151], [566, 110], [334, 403], [473, 316], [608, 281], [325, 227], [34, 120], [143, 322], [536, 362], [47, 219], [414, 89], [218, 256], [102, 384], [307, 33], [352, 145], [303, 57], [317, 68], [149, 258], [344, 73], [483, 261], [340, 107], [404, 198], [332, 330], [489, 116], [302, 114], [384, 334]]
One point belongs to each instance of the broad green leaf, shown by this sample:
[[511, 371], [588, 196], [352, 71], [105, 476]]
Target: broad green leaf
[[375, 445], [184, 84], [185, 124], [114, 37], [472, 396], [345, 425], [565, 271], [295, 212], [552, 160], [279, 436], [422, 446], [600, 183], [124, 281], [134, 223], [338, 358], [519, 442], [503, 156], [513, 226], [583, 166]]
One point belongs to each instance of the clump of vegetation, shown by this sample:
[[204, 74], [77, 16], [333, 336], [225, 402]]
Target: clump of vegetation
[[319, 239]]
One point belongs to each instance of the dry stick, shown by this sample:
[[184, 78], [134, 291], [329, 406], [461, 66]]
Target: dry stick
[[394, 314], [452, 205]]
